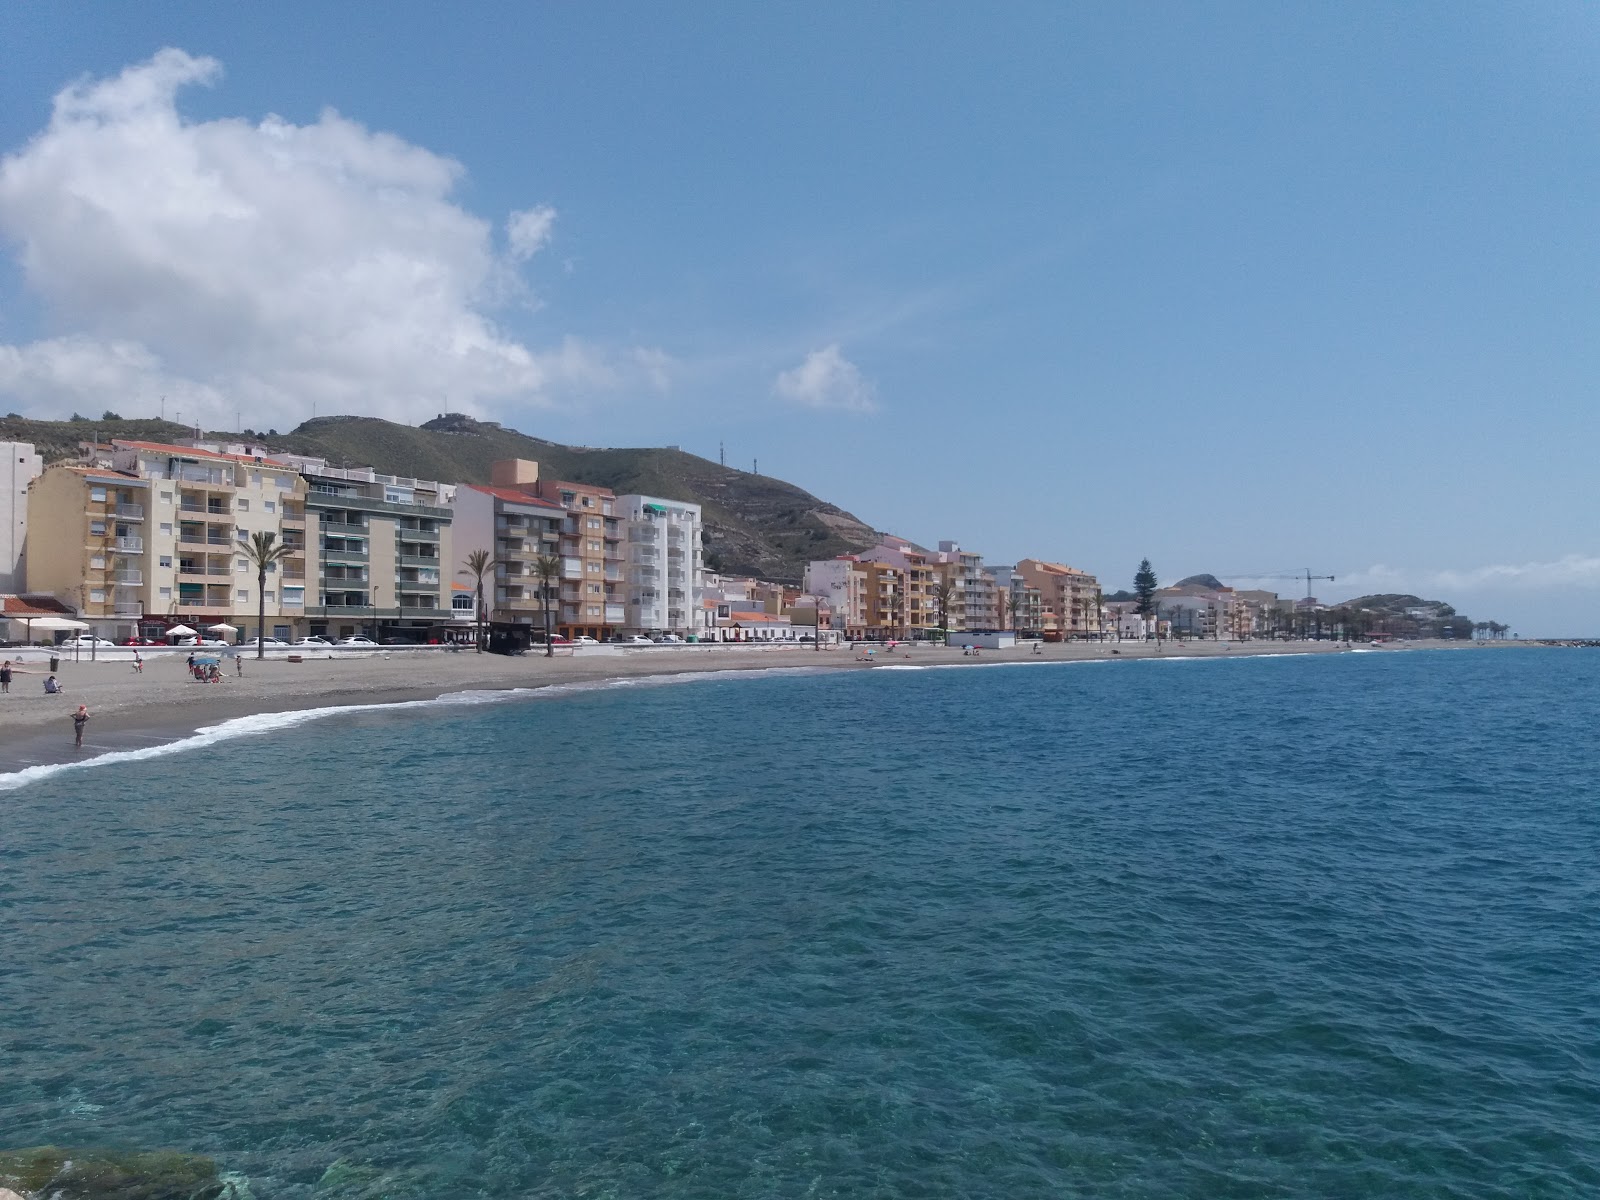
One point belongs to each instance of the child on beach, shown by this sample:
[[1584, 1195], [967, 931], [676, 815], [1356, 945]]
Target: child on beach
[[52, 688], [79, 720], [5, 676]]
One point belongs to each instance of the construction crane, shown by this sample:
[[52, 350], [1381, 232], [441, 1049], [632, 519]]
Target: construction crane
[[1302, 574]]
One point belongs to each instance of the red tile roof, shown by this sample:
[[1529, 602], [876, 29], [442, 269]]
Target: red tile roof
[[193, 452], [16, 606], [515, 495]]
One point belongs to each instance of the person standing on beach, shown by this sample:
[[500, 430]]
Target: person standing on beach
[[79, 720], [5, 676]]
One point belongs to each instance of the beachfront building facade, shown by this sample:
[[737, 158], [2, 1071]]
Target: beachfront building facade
[[379, 549], [974, 603], [22, 465], [842, 584], [87, 541], [590, 543], [145, 536], [1024, 604], [662, 577], [1069, 599], [517, 530]]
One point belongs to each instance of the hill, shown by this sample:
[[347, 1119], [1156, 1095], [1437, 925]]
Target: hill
[[754, 524], [1204, 581]]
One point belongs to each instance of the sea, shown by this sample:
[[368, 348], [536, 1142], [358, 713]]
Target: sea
[[1308, 926]]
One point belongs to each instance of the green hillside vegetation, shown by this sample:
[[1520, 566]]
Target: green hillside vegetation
[[754, 524]]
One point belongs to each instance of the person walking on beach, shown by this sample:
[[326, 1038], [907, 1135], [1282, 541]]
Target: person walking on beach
[[5, 676], [238, 665], [138, 664], [79, 720]]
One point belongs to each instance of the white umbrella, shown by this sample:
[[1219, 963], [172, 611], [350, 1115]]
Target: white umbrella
[[180, 631], [222, 627]]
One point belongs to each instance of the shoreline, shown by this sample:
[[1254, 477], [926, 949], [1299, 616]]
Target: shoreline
[[162, 705]]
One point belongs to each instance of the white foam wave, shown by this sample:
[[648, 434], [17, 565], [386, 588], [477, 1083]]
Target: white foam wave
[[263, 723]]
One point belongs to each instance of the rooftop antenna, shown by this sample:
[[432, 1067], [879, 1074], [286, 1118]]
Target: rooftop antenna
[[722, 454], [163, 408], [755, 466]]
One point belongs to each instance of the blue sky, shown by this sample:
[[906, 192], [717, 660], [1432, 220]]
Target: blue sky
[[1243, 288]]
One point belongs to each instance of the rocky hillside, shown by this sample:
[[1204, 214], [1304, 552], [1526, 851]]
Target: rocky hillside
[[755, 524]]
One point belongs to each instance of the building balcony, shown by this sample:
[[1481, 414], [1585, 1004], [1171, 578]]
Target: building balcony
[[130, 512], [125, 576], [127, 610], [419, 560], [417, 535], [134, 544], [343, 528]]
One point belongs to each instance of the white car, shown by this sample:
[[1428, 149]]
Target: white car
[[88, 641], [669, 639], [213, 642], [313, 641], [268, 642], [584, 639], [356, 641], [637, 639]]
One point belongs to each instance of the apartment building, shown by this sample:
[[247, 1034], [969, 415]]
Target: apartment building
[[1069, 599], [884, 587], [663, 574], [975, 602], [1024, 602], [918, 576], [21, 466], [517, 529], [383, 550], [146, 535], [842, 584]]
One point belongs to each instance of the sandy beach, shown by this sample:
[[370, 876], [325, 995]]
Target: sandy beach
[[162, 703]]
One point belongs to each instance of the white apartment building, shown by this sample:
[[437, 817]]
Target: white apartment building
[[21, 467], [663, 567]]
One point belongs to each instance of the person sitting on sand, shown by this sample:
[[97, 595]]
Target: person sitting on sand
[[52, 688], [79, 720]]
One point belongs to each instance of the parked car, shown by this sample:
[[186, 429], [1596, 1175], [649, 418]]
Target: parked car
[[88, 641], [401, 641], [637, 639], [138, 641], [313, 641], [584, 639], [556, 639], [356, 641], [668, 639], [268, 642]]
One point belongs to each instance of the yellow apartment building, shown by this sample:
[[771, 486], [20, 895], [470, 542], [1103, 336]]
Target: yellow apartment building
[[1069, 599]]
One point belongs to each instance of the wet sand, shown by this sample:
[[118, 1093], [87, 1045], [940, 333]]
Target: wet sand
[[163, 703]]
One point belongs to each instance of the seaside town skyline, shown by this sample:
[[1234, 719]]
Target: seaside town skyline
[[1252, 287], [140, 542]]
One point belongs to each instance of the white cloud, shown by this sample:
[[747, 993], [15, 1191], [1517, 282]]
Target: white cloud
[[258, 267], [527, 232], [827, 379], [1569, 571]]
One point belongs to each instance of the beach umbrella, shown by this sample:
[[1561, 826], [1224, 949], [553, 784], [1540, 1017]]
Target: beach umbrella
[[51, 623], [180, 631], [222, 627]]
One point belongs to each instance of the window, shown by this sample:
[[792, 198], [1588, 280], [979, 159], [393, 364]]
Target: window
[[269, 506], [594, 522], [166, 497], [594, 547], [241, 565], [594, 568], [97, 529], [294, 596], [166, 527], [594, 610], [97, 495], [594, 589], [271, 596], [166, 560], [242, 595], [97, 562], [244, 505], [166, 593]]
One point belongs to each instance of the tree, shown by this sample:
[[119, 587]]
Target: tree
[[264, 550], [1144, 588], [108, 415], [548, 569], [478, 564], [943, 592]]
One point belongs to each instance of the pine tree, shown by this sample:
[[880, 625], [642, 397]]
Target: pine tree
[[1144, 588]]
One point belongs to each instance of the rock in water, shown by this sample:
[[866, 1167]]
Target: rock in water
[[61, 1174]]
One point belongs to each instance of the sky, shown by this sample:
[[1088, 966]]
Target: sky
[[1240, 288]]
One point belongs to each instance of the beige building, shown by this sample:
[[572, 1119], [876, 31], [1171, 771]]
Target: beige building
[[1069, 599], [148, 535], [517, 529]]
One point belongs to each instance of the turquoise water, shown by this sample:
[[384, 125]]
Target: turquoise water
[[1302, 927]]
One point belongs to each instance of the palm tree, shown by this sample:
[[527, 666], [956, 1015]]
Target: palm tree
[[264, 550], [943, 592], [548, 569], [478, 564]]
